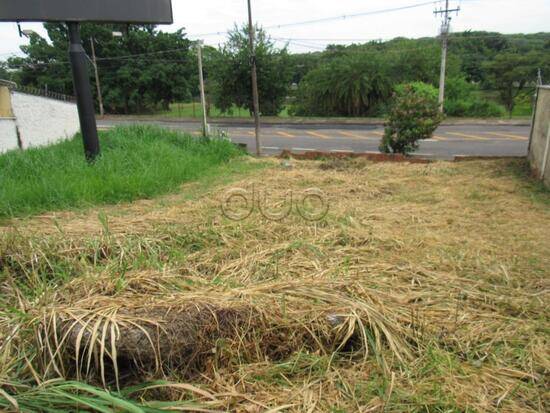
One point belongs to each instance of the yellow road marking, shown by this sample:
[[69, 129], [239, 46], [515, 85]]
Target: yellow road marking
[[317, 135], [251, 133], [439, 138], [285, 135], [352, 135], [464, 135], [505, 135], [377, 133]]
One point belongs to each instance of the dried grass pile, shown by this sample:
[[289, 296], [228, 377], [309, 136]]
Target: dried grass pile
[[425, 288]]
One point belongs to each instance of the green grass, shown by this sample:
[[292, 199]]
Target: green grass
[[70, 396], [137, 162], [190, 110], [522, 110]]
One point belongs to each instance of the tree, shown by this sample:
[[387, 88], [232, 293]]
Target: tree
[[4, 73], [463, 98], [231, 80], [473, 48], [414, 116], [302, 64], [141, 71], [418, 61], [351, 85], [509, 73]]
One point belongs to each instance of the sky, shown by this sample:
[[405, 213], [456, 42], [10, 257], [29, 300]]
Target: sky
[[203, 18]]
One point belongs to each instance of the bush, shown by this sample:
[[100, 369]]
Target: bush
[[475, 108], [414, 115], [461, 101], [458, 88]]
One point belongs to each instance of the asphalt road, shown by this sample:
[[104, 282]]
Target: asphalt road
[[448, 141]]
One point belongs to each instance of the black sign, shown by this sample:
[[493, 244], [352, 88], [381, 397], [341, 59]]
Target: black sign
[[107, 11]]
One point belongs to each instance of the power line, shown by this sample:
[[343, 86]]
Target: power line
[[181, 49], [335, 18], [453, 37], [329, 19], [350, 16]]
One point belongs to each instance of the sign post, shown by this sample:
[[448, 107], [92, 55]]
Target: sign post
[[74, 12], [83, 91]]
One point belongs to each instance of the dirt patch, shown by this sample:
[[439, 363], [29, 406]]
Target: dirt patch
[[191, 334], [373, 157]]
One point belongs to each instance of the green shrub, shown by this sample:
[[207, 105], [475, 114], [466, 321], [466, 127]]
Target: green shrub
[[136, 162], [463, 101], [458, 88], [414, 115], [474, 108]]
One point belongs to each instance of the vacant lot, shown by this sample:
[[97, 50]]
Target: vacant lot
[[423, 289]]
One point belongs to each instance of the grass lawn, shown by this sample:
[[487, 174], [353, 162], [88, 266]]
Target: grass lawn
[[423, 289], [190, 110], [136, 162], [523, 110]]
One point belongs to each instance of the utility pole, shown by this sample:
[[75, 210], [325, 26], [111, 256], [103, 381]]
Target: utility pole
[[445, 28], [203, 96], [539, 77], [94, 63], [255, 97]]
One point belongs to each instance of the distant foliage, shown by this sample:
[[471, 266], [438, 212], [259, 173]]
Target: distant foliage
[[231, 82], [414, 115], [137, 73], [146, 70], [464, 99], [358, 80], [474, 57], [4, 73], [474, 108], [511, 72], [351, 85]]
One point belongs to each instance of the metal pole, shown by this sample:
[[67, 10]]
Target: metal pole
[[255, 97], [83, 93], [203, 97], [445, 43], [443, 74], [98, 85]]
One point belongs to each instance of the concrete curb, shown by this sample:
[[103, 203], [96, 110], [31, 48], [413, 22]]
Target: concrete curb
[[313, 122], [384, 157]]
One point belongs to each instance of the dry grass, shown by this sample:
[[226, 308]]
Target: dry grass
[[425, 288]]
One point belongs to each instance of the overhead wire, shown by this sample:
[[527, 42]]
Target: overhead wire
[[303, 42], [329, 19]]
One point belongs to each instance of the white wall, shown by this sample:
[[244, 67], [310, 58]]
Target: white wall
[[539, 146], [8, 135], [42, 121]]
